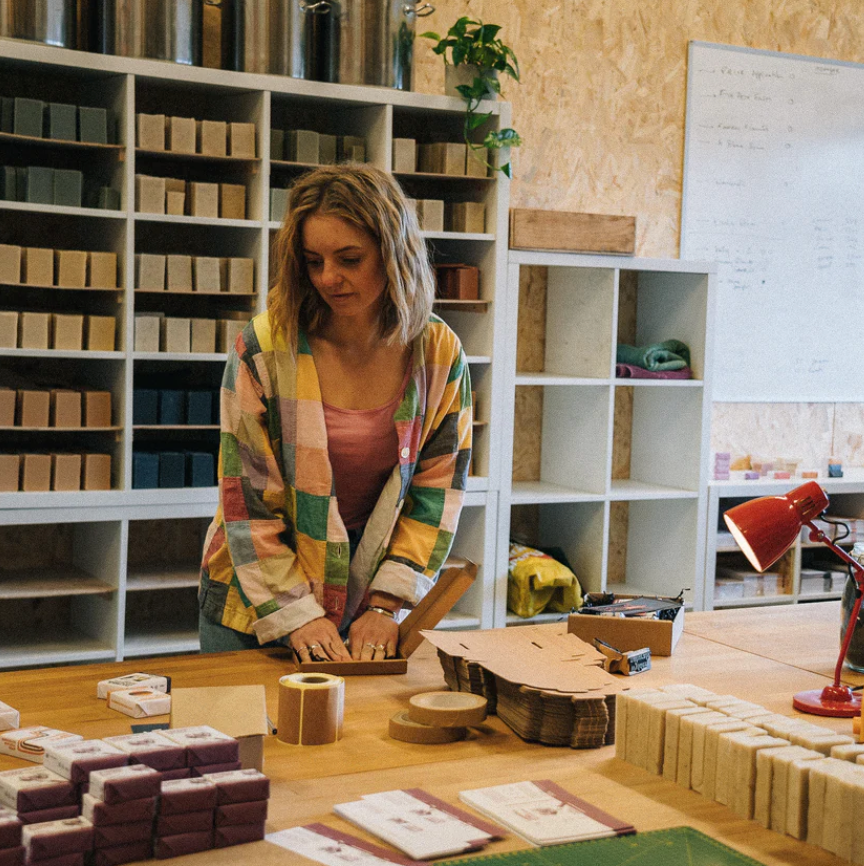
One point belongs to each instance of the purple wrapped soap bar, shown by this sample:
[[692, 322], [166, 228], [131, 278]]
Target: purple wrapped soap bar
[[121, 784], [184, 822], [43, 816], [10, 828], [209, 769], [78, 859], [254, 812], [34, 788], [112, 835], [54, 838], [237, 834], [12, 856], [151, 749], [76, 760], [182, 773], [187, 795], [205, 745], [240, 786], [99, 813], [184, 843], [130, 853]]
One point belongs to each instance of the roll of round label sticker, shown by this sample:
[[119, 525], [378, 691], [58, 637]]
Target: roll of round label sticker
[[447, 709]]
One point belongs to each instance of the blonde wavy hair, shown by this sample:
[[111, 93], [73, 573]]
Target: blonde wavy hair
[[371, 200]]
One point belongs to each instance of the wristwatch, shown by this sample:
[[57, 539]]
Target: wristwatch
[[382, 610]]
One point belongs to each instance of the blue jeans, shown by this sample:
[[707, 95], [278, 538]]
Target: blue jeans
[[218, 638]]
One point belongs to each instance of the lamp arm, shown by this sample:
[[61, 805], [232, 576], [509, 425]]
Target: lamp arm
[[858, 573]]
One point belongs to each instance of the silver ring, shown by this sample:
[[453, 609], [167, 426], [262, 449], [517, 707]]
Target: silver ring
[[371, 645], [380, 646], [314, 646]]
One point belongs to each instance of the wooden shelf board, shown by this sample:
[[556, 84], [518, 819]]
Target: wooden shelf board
[[197, 157], [658, 383], [61, 429], [34, 647], [42, 287], [428, 175], [168, 427], [539, 492], [288, 163], [180, 356], [32, 140], [462, 306], [62, 210], [754, 601], [28, 584], [553, 616], [178, 219], [169, 292], [477, 482], [819, 596], [161, 641], [545, 379], [154, 578], [62, 353]]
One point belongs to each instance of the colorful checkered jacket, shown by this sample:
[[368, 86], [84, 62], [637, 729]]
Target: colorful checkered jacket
[[276, 555]]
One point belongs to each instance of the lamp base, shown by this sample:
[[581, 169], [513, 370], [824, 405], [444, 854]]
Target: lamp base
[[835, 701]]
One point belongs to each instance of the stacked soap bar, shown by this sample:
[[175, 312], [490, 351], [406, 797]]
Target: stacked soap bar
[[172, 469], [241, 806], [10, 718], [76, 760], [155, 751], [38, 795], [207, 750], [29, 743], [178, 334], [786, 773], [315, 148], [174, 407], [68, 842], [121, 805], [55, 120], [11, 849], [184, 824]]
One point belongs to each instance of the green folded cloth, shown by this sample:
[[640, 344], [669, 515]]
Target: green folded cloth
[[668, 355]]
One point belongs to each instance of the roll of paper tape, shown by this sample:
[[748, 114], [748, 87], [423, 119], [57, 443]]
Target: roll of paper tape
[[402, 728], [447, 709], [311, 707]]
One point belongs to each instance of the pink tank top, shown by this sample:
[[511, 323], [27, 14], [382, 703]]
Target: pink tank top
[[364, 449]]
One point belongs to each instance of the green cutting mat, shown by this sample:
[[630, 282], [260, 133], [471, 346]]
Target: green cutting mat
[[681, 846]]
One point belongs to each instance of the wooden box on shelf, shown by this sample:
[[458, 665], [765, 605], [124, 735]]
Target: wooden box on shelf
[[571, 232]]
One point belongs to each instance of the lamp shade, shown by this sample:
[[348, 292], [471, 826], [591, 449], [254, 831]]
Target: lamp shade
[[767, 527]]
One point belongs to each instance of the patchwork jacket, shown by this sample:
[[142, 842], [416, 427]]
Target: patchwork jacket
[[276, 555]]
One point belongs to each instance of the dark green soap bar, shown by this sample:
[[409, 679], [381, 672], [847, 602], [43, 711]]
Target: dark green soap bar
[[8, 183], [93, 125], [39, 186], [67, 187], [61, 120], [28, 117], [7, 114], [109, 198], [277, 144]]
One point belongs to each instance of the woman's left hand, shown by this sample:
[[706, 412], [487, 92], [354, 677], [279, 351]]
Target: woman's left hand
[[373, 636]]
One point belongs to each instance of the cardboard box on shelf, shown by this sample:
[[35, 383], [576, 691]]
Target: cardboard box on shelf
[[239, 711], [101, 333], [241, 137], [10, 264], [33, 330], [8, 329], [38, 266], [631, 632], [10, 471], [97, 471], [204, 199], [232, 201], [65, 408], [149, 194], [66, 472], [175, 334], [71, 268], [571, 232], [67, 331], [97, 408], [179, 271], [33, 408], [212, 137], [181, 134], [36, 472], [151, 131], [150, 271], [102, 270]]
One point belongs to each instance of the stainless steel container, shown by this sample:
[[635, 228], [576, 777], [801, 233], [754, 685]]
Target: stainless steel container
[[328, 42], [389, 45], [54, 22], [246, 33], [157, 29]]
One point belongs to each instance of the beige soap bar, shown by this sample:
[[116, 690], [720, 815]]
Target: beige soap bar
[[175, 202], [67, 332], [38, 266], [635, 735], [743, 751], [780, 784], [673, 732], [10, 471], [840, 788], [66, 472], [240, 275], [404, 155], [181, 134], [147, 332], [798, 797], [204, 199], [623, 702], [768, 763], [467, 216], [150, 272], [690, 691], [655, 728], [242, 140], [101, 333], [227, 331], [203, 336], [823, 742], [151, 131], [175, 334], [212, 137], [102, 270], [149, 194], [688, 725], [10, 264], [36, 472], [33, 330], [8, 329], [71, 268], [721, 766], [179, 273], [232, 201], [97, 472], [817, 788], [206, 271], [699, 744], [848, 752]]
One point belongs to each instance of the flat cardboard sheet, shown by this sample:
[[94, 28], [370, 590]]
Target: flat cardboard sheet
[[545, 658]]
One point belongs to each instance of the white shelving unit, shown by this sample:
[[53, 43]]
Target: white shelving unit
[[783, 583], [98, 596], [575, 492]]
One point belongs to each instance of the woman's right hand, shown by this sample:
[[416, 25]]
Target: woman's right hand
[[318, 639]]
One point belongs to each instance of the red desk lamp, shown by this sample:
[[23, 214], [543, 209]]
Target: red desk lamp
[[765, 529]]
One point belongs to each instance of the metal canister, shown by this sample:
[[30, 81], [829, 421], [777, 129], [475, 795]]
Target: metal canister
[[246, 33], [855, 652], [156, 29], [328, 41], [54, 22], [389, 45]]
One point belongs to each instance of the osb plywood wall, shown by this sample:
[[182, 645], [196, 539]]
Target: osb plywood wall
[[601, 106]]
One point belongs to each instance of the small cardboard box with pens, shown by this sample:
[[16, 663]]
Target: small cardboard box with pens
[[630, 623]]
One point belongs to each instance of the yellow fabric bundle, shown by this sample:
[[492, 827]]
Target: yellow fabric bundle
[[537, 582]]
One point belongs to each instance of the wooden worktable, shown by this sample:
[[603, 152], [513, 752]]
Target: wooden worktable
[[760, 654]]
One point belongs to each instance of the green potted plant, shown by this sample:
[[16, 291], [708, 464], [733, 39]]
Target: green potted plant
[[477, 58]]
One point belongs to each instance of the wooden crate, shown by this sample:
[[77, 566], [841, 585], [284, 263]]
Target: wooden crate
[[571, 232]]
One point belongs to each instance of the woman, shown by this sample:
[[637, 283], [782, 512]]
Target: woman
[[346, 434]]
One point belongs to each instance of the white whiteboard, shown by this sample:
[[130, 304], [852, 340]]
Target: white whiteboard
[[774, 193]]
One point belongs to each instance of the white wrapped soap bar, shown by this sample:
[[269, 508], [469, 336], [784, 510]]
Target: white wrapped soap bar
[[139, 702], [10, 719], [131, 681]]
